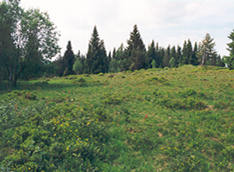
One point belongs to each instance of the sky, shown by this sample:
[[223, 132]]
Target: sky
[[168, 22]]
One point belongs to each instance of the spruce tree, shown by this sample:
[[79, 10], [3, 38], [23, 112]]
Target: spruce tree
[[172, 62], [167, 57], [135, 50], [174, 56], [187, 52], [207, 52], [229, 60], [194, 59], [159, 56], [97, 59], [179, 56], [190, 52], [184, 59], [151, 55], [68, 60]]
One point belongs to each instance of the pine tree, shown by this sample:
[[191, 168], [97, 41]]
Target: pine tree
[[114, 54], [207, 52], [174, 56], [194, 60], [190, 52], [187, 52], [96, 57], [179, 56], [159, 56], [184, 59], [172, 62], [151, 55], [167, 57], [229, 60], [68, 60], [136, 50]]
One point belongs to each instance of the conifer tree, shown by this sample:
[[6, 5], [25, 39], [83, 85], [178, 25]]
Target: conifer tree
[[179, 55], [174, 56], [229, 60], [166, 57], [189, 52], [151, 55], [135, 50], [159, 56], [68, 60], [96, 57], [194, 60], [207, 52], [172, 62]]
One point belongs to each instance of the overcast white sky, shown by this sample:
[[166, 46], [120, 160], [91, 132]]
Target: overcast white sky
[[165, 21]]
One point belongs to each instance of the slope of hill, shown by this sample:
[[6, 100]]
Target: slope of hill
[[178, 119]]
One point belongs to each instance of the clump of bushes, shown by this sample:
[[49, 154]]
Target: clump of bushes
[[187, 103], [158, 79], [60, 137], [22, 94], [112, 99], [191, 93], [81, 82], [30, 96]]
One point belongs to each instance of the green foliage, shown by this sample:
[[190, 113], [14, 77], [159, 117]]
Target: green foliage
[[68, 60], [173, 119], [229, 60], [135, 50], [28, 38], [172, 62], [61, 137], [96, 57], [207, 53]]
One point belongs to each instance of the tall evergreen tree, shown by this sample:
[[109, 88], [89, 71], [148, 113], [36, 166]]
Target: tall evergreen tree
[[97, 59], [190, 52], [184, 59], [151, 55], [174, 55], [161, 54], [207, 52], [114, 54], [167, 57], [179, 55], [68, 60], [187, 52], [194, 59], [136, 50], [229, 60]]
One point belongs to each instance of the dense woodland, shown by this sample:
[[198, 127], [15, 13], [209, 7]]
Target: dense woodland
[[29, 40]]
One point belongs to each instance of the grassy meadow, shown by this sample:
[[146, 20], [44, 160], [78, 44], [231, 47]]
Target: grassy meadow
[[171, 119]]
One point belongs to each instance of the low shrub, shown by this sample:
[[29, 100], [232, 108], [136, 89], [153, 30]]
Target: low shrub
[[187, 103], [61, 137], [191, 93]]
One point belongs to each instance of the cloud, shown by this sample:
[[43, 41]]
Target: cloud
[[166, 22]]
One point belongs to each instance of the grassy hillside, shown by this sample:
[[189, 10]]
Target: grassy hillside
[[148, 120]]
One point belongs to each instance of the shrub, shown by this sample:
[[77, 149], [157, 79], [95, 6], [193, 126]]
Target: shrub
[[191, 93], [187, 103], [65, 137]]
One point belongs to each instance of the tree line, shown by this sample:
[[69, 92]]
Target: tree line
[[136, 56], [28, 41]]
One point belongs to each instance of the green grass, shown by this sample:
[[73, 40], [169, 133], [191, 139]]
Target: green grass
[[178, 119]]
